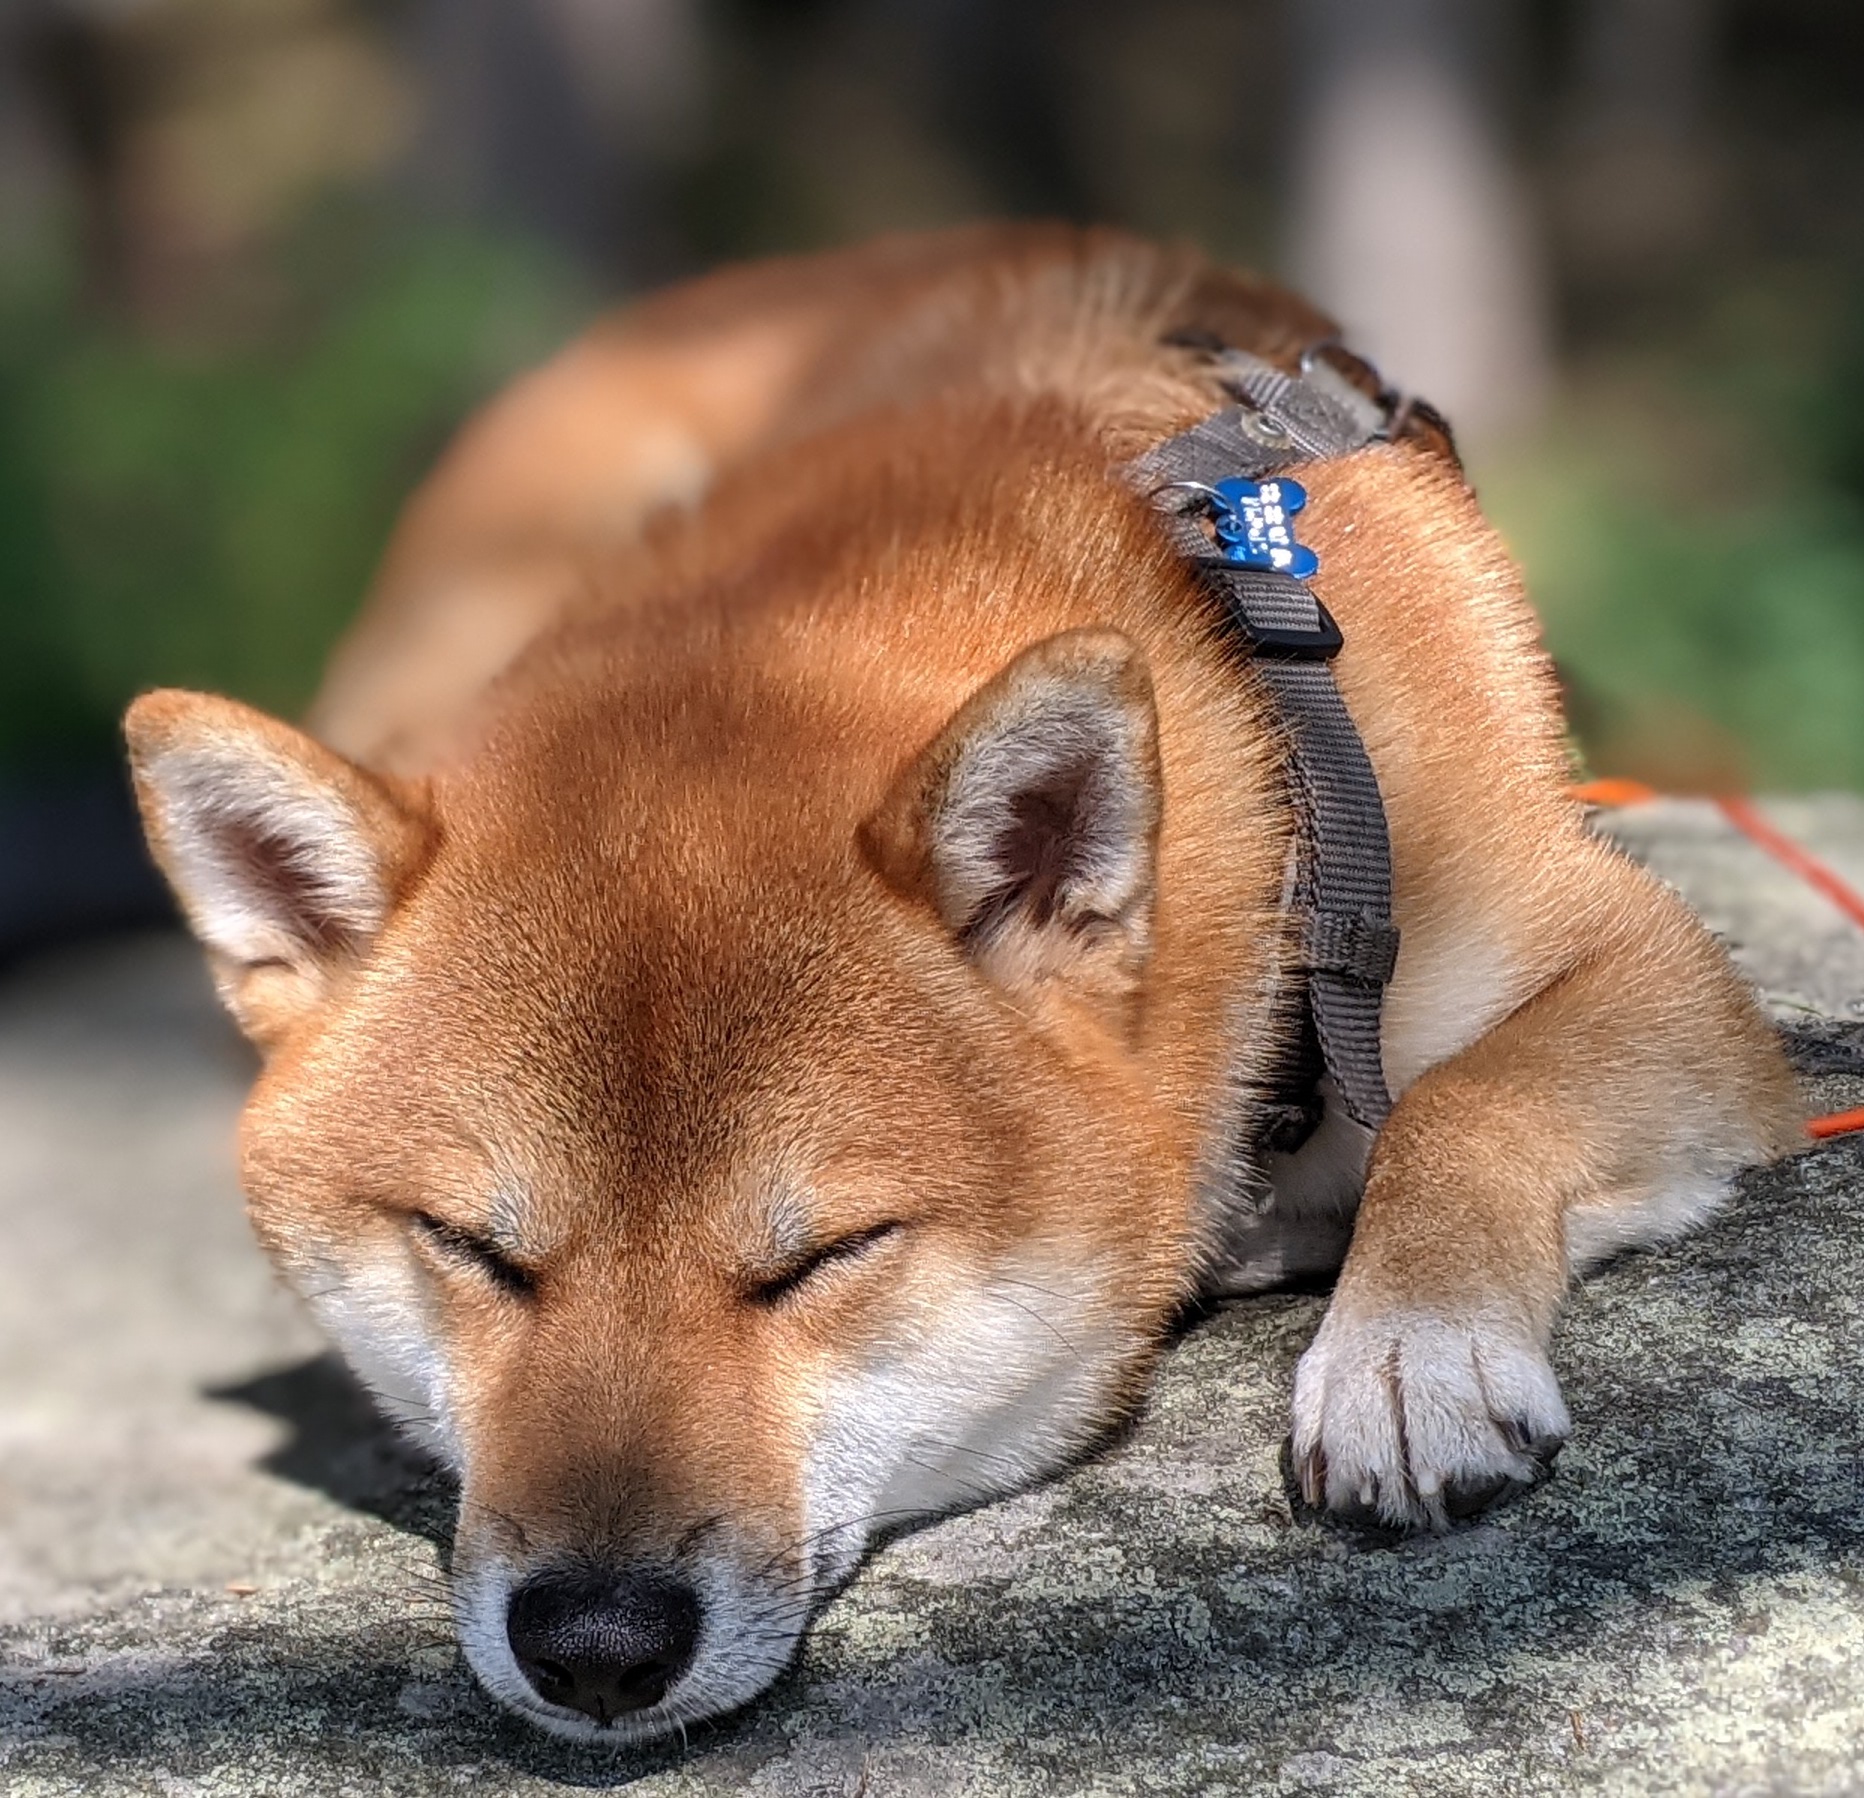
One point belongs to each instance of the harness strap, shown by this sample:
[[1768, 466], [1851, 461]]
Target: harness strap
[[1342, 888]]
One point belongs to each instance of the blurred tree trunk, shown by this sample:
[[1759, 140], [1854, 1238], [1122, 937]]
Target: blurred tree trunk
[[1636, 177], [31, 155], [1408, 222], [563, 117], [60, 145], [191, 131]]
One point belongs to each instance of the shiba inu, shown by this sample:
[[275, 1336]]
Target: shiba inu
[[770, 952]]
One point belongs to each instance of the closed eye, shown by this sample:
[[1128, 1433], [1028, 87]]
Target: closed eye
[[463, 1247], [846, 1248]]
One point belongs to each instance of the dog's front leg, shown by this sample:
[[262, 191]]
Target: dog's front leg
[[1610, 1109]]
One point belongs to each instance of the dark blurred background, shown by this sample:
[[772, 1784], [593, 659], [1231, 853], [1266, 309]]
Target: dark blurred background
[[257, 258]]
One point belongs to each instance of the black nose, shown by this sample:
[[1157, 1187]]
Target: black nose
[[603, 1642]]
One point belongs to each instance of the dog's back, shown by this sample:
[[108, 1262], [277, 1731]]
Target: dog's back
[[650, 409]]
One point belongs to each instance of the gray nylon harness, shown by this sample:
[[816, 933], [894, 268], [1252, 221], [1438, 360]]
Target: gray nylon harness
[[1341, 887]]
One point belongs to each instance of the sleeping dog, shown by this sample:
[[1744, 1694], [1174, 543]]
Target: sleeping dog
[[779, 959]]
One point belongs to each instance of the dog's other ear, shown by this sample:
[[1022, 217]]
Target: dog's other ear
[[286, 858], [1030, 824]]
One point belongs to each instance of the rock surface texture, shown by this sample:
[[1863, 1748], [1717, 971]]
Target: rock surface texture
[[218, 1575]]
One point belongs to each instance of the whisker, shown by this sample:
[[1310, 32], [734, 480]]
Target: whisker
[[1053, 1328]]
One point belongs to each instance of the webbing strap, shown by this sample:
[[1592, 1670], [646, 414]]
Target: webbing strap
[[1343, 882]]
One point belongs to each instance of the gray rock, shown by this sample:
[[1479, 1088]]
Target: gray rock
[[218, 1574]]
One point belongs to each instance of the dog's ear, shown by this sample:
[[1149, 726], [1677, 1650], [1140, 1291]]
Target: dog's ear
[[286, 858], [1030, 824]]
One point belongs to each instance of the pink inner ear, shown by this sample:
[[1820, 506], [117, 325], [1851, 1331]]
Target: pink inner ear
[[282, 883], [1047, 842], [284, 856], [1030, 822]]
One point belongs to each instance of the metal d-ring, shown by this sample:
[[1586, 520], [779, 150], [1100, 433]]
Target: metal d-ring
[[1398, 414], [1397, 407]]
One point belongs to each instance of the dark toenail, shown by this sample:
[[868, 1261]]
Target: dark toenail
[[1464, 1499], [1521, 1436]]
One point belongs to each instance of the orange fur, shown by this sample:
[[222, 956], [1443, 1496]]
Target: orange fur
[[710, 684]]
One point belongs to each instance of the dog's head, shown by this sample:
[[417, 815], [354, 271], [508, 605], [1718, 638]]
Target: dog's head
[[714, 1166]]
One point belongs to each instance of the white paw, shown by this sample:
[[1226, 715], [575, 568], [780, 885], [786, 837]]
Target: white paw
[[1412, 1418]]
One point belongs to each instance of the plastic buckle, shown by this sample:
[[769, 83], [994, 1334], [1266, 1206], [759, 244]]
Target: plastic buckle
[[1281, 643]]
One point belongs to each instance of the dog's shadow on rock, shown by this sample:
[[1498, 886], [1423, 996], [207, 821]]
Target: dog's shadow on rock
[[341, 1445], [356, 1708]]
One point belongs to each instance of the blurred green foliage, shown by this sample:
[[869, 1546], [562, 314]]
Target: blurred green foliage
[[1692, 522], [1693, 530], [209, 517]]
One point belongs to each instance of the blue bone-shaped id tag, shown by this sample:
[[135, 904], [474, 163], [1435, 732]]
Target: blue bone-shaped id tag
[[1256, 526]]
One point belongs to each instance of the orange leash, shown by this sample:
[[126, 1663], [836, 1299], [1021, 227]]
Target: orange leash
[[1748, 820], [1839, 1123], [1614, 792], [1788, 854]]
